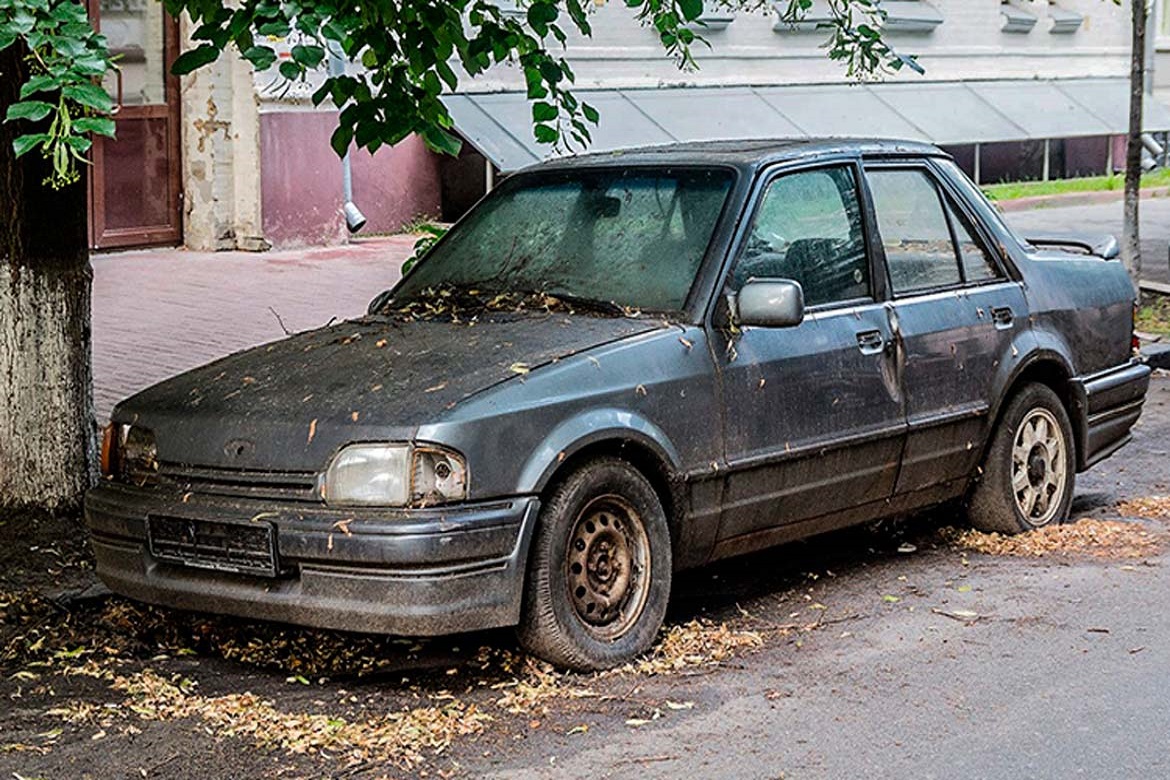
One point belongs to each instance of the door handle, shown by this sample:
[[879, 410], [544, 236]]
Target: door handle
[[1002, 317], [870, 342]]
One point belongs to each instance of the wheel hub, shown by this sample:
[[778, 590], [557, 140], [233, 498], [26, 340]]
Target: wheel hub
[[1039, 466], [607, 555]]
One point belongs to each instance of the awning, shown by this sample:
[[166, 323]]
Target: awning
[[499, 124]]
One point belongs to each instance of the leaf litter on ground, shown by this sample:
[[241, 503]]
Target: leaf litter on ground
[[1088, 537]]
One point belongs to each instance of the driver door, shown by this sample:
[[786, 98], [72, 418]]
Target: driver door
[[813, 419]]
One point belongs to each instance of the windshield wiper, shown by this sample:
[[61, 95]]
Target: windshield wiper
[[589, 304]]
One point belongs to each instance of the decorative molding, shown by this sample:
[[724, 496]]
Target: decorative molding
[[814, 19], [904, 16], [1064, 21], [1016, 20], [911, 16], [713, 21], [512, 8]]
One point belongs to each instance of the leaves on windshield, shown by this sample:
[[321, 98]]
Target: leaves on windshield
[[457, 304]]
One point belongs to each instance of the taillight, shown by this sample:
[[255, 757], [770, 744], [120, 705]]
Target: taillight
[[1134, 342], [109, 450]]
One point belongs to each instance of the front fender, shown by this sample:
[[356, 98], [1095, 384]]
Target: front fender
[[591, 427]]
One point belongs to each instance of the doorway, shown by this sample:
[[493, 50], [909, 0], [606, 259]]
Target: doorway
[[135, 196]]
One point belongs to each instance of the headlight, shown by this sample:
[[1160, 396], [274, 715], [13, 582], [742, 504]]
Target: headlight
[[394, 475], [129, 453]]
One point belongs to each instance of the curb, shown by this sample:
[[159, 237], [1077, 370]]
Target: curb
[[1074, 199]]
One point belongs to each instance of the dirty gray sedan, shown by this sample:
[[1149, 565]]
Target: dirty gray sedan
[[619, 366]]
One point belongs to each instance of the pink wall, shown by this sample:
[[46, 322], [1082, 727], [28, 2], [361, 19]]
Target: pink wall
[[301, 181]]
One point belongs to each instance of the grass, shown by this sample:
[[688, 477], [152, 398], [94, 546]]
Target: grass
[[1154, 315], [1025, 189]]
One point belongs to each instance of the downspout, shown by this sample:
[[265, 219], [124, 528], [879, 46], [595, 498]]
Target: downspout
[[354, 219]]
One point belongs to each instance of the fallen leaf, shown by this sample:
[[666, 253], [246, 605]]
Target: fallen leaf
[[519, 368], [436, 388], [312, 431], [891, 599], [680, 705]]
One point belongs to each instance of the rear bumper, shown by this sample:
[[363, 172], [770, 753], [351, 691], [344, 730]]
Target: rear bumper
[[1109, 403], [408, 572]]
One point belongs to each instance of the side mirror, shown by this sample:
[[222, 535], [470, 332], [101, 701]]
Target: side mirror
[[770, 303]]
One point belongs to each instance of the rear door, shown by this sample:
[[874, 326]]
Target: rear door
[[955, 312], [813, 419]]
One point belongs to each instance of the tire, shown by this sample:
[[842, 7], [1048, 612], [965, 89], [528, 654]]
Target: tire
[[1029, 472], [599, 573]]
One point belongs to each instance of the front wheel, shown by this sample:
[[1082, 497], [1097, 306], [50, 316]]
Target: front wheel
[[1029, 472], [599, 575]]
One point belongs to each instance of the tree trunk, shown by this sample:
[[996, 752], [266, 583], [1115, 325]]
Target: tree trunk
[[1131, 247], [47, 433]]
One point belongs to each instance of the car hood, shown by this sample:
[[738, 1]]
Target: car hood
[[290, 404]]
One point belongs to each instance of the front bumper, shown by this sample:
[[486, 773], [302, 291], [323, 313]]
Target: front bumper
[[416, 572]]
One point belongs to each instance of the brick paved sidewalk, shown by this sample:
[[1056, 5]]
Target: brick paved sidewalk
[[159, 312]]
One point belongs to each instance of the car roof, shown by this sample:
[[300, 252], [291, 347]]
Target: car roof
[[750, 153]]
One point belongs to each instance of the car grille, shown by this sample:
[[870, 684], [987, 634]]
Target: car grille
[[273, 485]]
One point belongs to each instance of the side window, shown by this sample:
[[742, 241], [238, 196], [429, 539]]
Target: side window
[[808, 228], [977, 263], [919, 251]]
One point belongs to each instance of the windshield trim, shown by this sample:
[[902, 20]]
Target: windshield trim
[[688, 310]]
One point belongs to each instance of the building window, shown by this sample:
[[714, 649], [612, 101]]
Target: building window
[[1162, 11]]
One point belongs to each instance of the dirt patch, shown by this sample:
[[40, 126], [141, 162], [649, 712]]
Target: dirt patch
[[44, 551], [1088, 537]]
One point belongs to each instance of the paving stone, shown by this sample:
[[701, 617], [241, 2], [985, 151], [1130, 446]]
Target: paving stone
[[160, 312]]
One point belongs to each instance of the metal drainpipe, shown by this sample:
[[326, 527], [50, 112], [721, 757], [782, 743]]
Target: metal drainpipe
[[354, 219]]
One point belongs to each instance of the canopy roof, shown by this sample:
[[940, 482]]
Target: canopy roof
[[499, 124]]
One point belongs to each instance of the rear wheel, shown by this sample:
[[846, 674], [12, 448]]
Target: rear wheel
[[1029, 472], [599, 576]]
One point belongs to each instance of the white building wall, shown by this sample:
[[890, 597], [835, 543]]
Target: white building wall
[[969, 44]]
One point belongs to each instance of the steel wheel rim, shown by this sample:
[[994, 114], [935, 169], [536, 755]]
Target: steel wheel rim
[[607, 566], [1039, 466]]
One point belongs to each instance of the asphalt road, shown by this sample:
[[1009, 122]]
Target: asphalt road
[[1106, 218], [1066, 675]]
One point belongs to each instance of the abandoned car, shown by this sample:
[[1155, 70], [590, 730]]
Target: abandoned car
[[622, 365]]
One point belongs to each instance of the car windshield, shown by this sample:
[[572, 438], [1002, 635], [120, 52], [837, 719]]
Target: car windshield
[[625, 238]]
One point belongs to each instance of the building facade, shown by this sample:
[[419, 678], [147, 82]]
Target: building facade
[[230, 159]]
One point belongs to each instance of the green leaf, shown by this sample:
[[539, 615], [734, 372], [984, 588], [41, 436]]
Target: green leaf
[[544, 112], [90, 96], [545, 134], [341, 139], [442, 141], [551, 72], [194, 59], [261, 57], [95, 124], [23, 144], [290, 70], [32, 110], [90, 65], [309, 56], [79, 143], [41, 83], [278, 28], [590, 112], [691, 9]]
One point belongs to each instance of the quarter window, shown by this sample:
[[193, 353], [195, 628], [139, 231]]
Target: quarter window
[[808, 228], [977, 263], [920, 253]]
